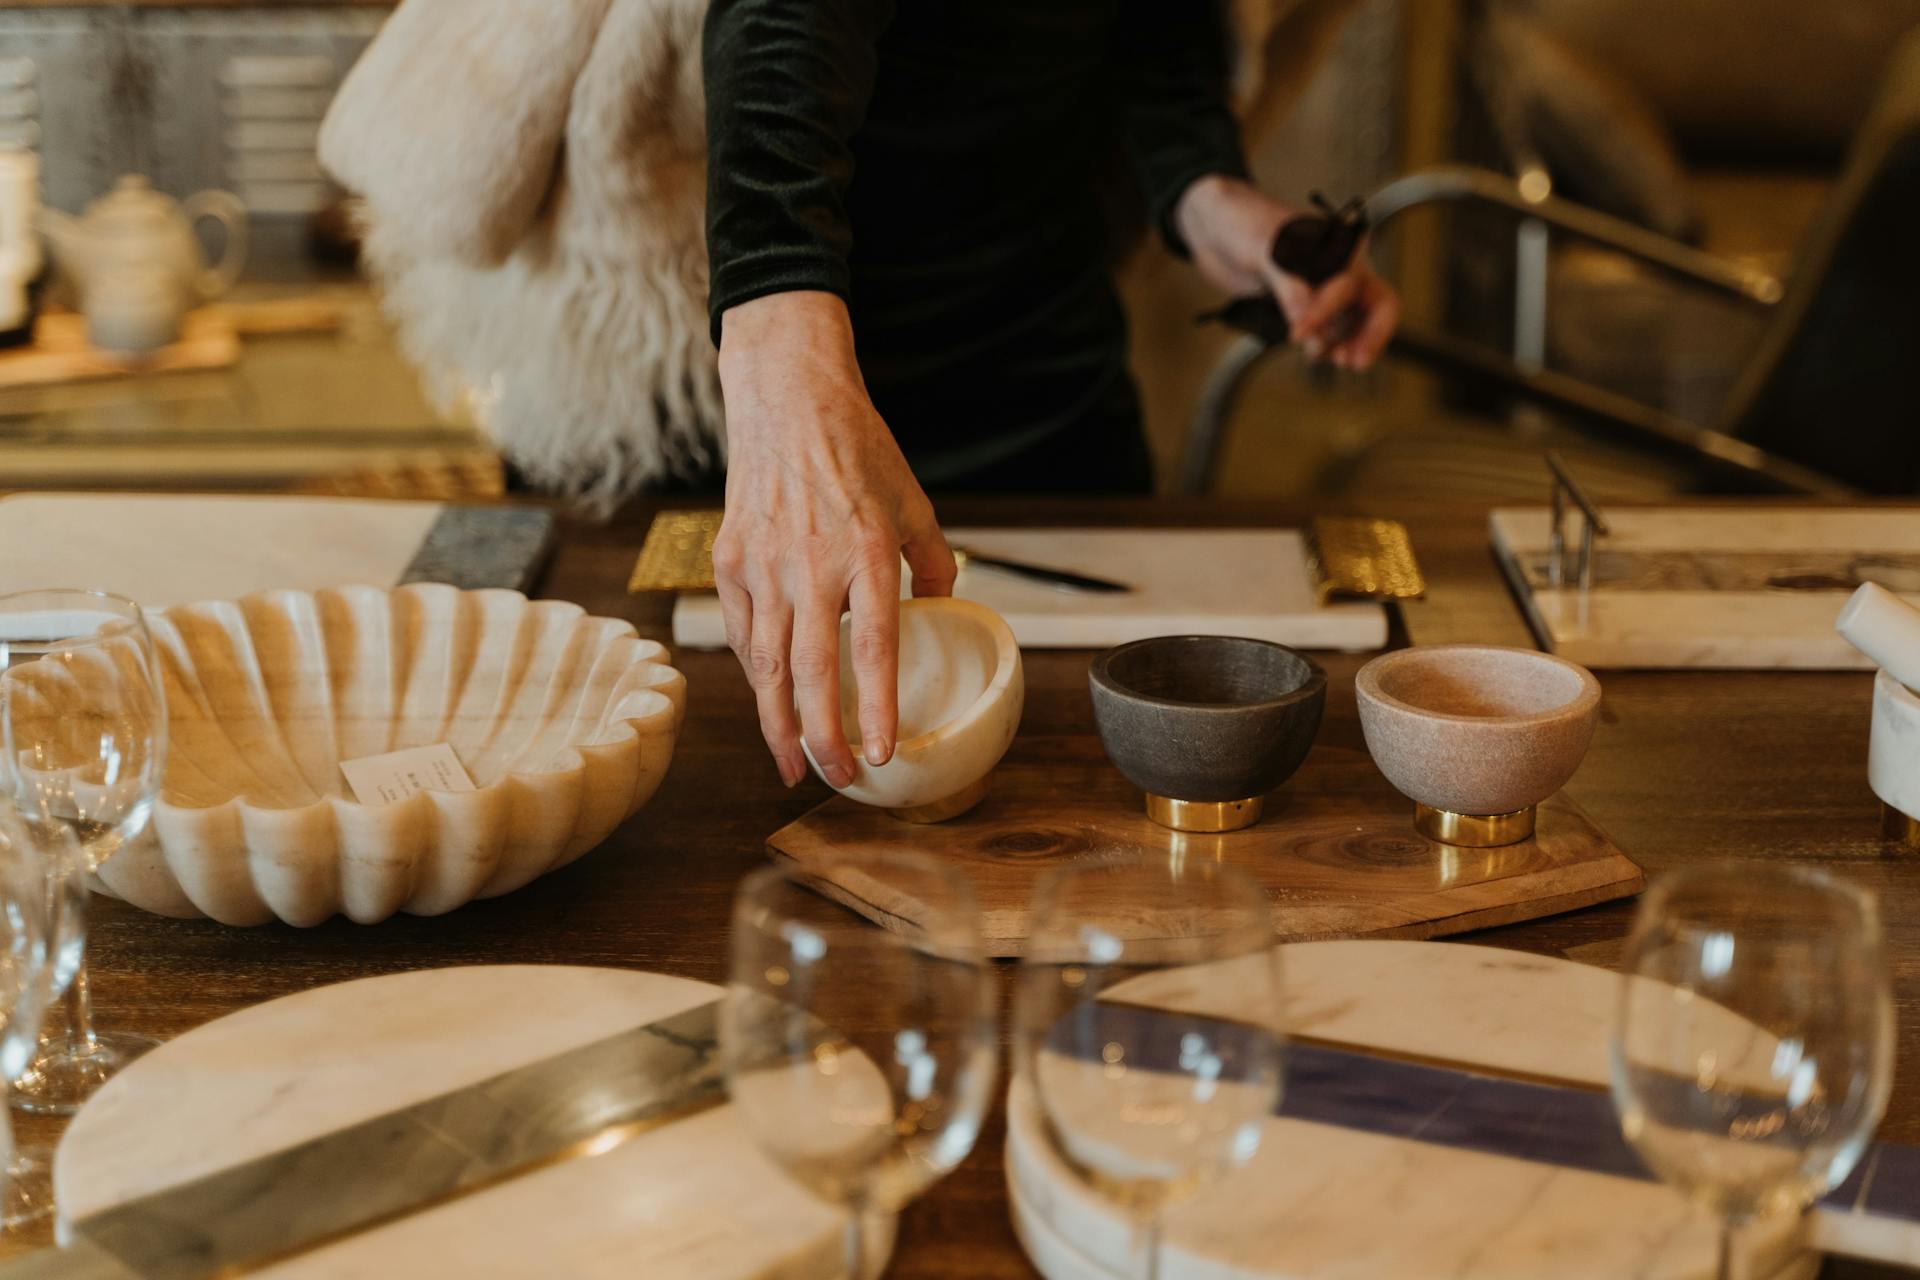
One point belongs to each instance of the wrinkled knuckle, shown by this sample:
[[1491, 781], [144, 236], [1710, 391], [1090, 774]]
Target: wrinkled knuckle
[[729, 557], [766, 667], [871, 646], [812, 663], [872, 550]]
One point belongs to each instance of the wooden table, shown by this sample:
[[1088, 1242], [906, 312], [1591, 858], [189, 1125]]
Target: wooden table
[[1684, 766]]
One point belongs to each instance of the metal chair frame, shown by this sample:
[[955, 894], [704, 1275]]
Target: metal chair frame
[[1540, 215]]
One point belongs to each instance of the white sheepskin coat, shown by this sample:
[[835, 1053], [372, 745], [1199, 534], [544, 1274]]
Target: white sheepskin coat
[[531, 182], [531, 179]]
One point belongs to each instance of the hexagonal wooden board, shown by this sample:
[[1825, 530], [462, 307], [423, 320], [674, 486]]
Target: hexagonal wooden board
[[1336, 850]]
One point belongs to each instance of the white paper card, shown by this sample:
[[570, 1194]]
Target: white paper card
[[399, 774]]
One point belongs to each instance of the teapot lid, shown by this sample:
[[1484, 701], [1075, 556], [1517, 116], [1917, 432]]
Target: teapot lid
[[132, 200]]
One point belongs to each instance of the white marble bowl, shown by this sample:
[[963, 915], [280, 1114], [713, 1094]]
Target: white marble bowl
[[1893, 750], [961, 693], [565, 723]]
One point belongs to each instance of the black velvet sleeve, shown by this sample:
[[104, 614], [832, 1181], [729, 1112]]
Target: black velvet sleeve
[[787, 84], [1174, 67]]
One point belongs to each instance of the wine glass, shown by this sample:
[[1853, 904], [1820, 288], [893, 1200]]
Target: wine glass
[[1753, 1049], [860, 1059], [26, 988], [83, 726], [1148, 1027]]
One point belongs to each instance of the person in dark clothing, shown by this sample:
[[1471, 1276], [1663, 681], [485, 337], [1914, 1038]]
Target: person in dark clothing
[[910, 287]]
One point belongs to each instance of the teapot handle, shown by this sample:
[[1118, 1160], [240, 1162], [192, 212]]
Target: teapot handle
[[230, 212]]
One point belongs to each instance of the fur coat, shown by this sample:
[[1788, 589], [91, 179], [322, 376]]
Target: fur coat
[[531, 185], [531, 182]]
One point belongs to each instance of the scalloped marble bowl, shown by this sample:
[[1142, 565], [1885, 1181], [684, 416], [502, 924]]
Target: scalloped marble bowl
[[565, 722], [961, 693]]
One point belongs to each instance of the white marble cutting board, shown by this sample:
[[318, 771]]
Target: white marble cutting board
[[1241, 582], [166, 549], [1320, 1202], [1683, 605], [692, 1200]]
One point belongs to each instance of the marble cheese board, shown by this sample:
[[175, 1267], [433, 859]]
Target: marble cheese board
[[1704, 587], [167, 549], [1336, 850], [1484, 1149], [686, 1196]]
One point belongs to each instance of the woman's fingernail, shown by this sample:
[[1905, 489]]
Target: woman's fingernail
[[789, 772], [838, 775], [1313, 348], [879, 751]]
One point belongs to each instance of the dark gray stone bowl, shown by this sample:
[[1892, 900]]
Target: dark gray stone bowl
[[1206, 718]]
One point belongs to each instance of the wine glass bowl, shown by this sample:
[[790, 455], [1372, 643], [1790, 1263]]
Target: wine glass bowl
[[83, 735], [1753, 1048], [1148, 1028], [860, 1060]]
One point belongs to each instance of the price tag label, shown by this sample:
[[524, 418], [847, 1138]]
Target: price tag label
[[399, 774]]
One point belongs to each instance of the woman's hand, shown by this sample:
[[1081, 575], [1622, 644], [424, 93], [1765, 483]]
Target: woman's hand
[[820, 507], [1229, 226]]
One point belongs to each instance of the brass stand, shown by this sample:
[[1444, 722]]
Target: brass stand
[[1205, 815], [940, 810], [1899, 828], [1474, 830]]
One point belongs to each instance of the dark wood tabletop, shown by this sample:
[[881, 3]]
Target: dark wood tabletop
[[1685, 766]]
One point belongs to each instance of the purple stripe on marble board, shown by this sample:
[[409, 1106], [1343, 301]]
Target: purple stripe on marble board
[[1444, 1106], [1547, 1124]]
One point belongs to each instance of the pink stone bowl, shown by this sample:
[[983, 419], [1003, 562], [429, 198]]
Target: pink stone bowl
[[1477, 729]]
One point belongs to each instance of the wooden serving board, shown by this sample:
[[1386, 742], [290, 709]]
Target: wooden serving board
[[1445, 1115], [1336, 850], [1698, 587], [690, 1198], [60, 351]]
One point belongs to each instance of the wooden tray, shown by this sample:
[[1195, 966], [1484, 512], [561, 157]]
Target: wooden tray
[[1337, 850], [60, 351]]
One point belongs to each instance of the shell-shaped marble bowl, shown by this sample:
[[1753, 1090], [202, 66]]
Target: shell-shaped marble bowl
[[961, 693], [564, 722]]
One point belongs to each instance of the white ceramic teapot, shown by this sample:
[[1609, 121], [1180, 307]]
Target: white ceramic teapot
[[139, 266]]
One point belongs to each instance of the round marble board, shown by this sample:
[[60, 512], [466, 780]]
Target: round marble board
[[1323, 1200], [692, 1198]]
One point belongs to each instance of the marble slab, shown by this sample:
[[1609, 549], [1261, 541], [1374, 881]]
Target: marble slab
[[167, 549], [1241, 582], [1336, 851], [1711, 588], [231, 1105], [1444, 1115]]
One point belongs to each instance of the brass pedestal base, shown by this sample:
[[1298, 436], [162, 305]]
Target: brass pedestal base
[[940, 810], [1899, 828], [1474, 830], [1205, 815]]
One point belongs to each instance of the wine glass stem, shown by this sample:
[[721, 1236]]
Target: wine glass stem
[[1729, 1268], [854, 1242], [80, 1011], [1149, 1237], [80, 1033]]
